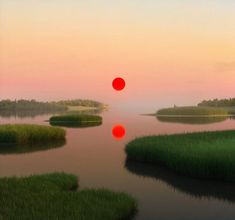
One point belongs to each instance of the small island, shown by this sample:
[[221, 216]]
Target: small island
[[81, 120], [192, 111], [54, 196], [210, 108]]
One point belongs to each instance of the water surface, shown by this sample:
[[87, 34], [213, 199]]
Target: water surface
[[99, 160]]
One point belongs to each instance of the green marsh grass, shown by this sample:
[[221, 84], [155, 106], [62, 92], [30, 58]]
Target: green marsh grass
[[191, 120], [76, 120], [29, 134], [54, 197], [207, 155], [193, 111]]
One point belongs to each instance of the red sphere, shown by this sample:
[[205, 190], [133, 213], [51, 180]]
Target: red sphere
[[119, 131], [119, 83]]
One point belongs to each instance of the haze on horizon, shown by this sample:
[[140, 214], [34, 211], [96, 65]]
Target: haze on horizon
[[169, 52]]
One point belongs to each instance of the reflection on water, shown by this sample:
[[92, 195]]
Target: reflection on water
[[118, 132], [193, 187], [191, 120], [29, 148]]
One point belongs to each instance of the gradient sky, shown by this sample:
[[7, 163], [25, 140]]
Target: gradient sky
[[169, 52]]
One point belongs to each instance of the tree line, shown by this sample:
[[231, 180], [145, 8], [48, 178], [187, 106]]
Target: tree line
[[218, 103], [24, 104]]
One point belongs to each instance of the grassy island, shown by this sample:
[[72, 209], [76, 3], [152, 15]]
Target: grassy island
[[53, 196], [29, 134], [207, 155], [80, 120], [215, 107], [192, 111]]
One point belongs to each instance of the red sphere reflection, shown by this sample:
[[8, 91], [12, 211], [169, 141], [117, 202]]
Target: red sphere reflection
[[119, 83], [119, 131]]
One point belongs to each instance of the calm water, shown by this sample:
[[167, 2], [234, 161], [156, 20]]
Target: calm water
[[99, 160]]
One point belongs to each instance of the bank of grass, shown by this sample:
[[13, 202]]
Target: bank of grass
[[53, 196], [76, 120], [208, 155], [29, 134], [193, 111]]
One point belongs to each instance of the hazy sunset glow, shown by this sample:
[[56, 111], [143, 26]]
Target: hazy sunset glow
[[167, 51]]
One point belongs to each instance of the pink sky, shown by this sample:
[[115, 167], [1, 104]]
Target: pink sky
[[169, 53]]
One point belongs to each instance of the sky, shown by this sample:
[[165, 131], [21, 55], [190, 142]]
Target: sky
[[169, 52]]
